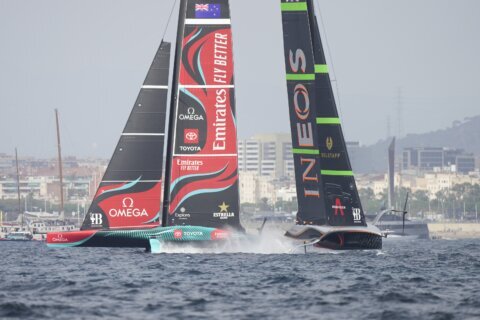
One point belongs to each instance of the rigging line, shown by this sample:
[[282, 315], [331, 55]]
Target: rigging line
[[331, 59], [169, 18]]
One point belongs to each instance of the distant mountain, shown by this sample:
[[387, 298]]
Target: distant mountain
[[461, 135]]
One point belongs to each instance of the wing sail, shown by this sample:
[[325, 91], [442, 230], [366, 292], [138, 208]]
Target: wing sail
[[203, 175]]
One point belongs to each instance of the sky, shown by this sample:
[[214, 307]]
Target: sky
[[89, 58]]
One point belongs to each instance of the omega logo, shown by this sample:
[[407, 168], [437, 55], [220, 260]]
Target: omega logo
[[127, 202]]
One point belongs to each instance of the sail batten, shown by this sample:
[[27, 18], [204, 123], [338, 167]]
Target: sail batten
[[305, 151], [321, 68], [326, 120], [207, 21], [154, 87], [294, 7]]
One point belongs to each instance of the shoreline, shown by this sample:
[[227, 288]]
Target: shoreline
[[450, 230]]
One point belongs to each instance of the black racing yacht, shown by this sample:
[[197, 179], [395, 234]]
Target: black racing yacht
[[330, 214]]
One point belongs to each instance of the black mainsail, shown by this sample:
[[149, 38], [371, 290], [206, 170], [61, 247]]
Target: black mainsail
[[129, 195], [326, 189]]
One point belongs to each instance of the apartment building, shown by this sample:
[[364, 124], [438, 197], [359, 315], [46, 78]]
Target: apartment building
[[266, 155], [429, 159]]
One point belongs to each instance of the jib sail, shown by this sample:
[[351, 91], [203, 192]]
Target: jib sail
[[326, 189], [129, 195], [202, 175]]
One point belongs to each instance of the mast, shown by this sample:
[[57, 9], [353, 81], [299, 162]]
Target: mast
[[173, 102], [60, 169], [18, 188], [391, 174]]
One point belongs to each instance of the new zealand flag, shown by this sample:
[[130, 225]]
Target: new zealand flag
[[210, 10]]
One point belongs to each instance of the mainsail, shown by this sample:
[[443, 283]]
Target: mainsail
[[326, 189], [202, 175], [129, 195]]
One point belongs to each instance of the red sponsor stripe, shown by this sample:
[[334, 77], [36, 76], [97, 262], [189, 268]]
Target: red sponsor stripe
[[69, 237], [219, 234]]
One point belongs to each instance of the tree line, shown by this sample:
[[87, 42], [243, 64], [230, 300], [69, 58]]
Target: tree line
[[461, 202]]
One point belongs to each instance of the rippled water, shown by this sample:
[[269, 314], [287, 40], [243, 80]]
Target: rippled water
[[426, 279]]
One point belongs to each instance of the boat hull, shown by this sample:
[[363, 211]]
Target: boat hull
[[337, 238], [19, 236], [412, 230], [134, 238]]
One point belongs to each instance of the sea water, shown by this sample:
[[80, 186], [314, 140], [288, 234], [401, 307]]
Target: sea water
[[405, 280]]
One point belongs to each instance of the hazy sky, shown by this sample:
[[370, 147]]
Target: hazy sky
[[89, 59]]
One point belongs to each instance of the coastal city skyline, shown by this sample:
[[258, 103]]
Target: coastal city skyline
[[266, 171], [100, 57]]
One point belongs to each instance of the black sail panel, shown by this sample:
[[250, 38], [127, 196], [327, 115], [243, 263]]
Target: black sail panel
[[203, 174], [129, 195], [342, 200], [337, 202], [300, 69]]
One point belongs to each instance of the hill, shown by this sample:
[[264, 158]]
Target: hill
[[462, 135]]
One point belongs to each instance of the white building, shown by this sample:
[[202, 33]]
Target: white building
[[287, 193], [36, 186], [254, 187], [439, 181], [432, 182], [47, 188], [266, 155], [249, 156]]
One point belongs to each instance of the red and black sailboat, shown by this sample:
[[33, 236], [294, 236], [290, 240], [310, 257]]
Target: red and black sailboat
[[200, 197], [330, 213]]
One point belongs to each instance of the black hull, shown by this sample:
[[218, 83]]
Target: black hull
[[351, 241], [368, 238], [116, 242]]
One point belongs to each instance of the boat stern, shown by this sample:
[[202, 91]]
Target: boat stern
[[69, 238]]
